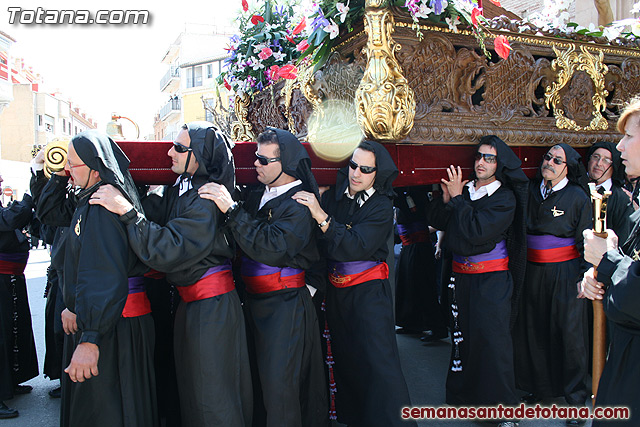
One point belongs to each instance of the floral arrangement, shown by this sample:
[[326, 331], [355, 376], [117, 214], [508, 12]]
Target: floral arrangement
[[268, 50]]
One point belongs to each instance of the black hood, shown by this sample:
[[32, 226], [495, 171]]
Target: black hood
[[576, 171], [212, 150], [386, 171], [295, 160], [508, 170], [100, 153], [618, 176]]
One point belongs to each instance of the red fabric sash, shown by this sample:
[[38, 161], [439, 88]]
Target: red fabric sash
[[273, 282], [154, 274], [481, 267], [137, 305], [562, 254], [9, 267], [210, 286], [417, 237], [380, 271]]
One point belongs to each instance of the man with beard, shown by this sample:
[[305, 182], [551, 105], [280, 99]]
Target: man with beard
[[356, 219], [618, 287], [18, 359], [551, 339], [109, 343], [276, 236], [192, 249], [605, 169], [484, 223]]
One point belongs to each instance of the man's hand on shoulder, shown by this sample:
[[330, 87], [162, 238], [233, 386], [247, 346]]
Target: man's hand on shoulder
[[111, 199], [218, 193]]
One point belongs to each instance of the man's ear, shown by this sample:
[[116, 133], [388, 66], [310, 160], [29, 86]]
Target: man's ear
[[95, 174]]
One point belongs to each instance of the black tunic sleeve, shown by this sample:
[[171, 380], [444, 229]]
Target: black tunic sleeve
[[584, 221], [360, 241], [55, 206], [438, 213], [183, 241], [619, 210], [273, 243], [18, 215], [622, 299], [101, 286]]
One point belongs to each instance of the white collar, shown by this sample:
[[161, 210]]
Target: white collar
[[559, 186], [364, 195], [185, 185], [485, 190], [606, 185], [271, 193]]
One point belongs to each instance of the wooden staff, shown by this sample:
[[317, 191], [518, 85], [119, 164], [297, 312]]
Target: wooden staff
[[599, 203]]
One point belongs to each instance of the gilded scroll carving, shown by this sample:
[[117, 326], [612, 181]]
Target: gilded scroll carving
[[384, 101], [568, 90], [241, 130]]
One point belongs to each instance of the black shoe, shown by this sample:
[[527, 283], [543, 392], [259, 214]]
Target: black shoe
[[22, 389], [56, 392], [575, 422], [431, 336], [6, 412], [530, 399]]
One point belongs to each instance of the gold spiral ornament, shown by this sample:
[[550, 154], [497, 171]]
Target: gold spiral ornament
[[55, 156]]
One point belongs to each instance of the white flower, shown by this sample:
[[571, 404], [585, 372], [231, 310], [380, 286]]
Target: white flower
[[423, 11], [255, 63], [343, 10], [453, 25], [635, 8], [332, 29], [279, 56], [612, 33], [257, 48], [593, 28]]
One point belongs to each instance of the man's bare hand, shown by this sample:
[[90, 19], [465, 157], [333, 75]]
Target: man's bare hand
[[595, 247], [84, 362], [111, 199], [454, 184], [69, 324], [218, 193], [590, 287]]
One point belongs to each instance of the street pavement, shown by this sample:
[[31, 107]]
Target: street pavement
[[424, 366]]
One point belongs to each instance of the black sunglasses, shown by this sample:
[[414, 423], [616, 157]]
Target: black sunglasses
[[364, 169], [264, 161], [489, 158], [181, 148], [557, 160]]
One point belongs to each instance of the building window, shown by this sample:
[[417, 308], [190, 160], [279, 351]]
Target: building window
[[76, 130], [209, 71], [39, 119], [194, 77], [64, 125]]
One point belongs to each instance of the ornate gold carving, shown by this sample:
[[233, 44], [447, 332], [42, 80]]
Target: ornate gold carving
[[304, 83], [574, 70], [55, 156], [626, 84], [267, 109], [241, 130], [384, 100]]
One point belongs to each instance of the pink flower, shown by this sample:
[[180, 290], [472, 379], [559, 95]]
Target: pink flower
[[256, 18], [298, 29], [265, 53], [289, 71], [291, 39], [496, 2], [474, 16], [502, 47], [226, 84], [245, 5], [302, 46], [273, 72]]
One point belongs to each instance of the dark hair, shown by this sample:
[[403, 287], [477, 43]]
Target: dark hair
[[185, 127], [269, 136], [366, 146]]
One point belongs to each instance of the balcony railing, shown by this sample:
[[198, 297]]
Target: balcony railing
[[174, 72], [170, 107]]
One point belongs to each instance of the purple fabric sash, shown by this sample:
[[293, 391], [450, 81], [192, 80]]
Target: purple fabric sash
[[547, 241], [499, 252], [251, 268], [351, 267], [405, 229], [19, 257], [136, 285], [217, 269]]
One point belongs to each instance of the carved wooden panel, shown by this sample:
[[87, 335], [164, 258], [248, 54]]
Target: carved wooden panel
[[266, 110]]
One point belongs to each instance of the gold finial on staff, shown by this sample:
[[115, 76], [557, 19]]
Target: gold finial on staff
[[55, 156]]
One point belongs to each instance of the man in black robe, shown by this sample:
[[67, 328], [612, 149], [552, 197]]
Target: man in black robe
[[210, 345], [618, 287], [551, 344], [482, 220], [606, 170], [109, 343], [356, 219], [417, 306], [18, 358], [277, 239]]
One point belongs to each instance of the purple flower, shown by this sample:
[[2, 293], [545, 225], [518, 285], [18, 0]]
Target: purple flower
[[259, 86], [320, 21], [413, 6], [275, 43], [438, 6]]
